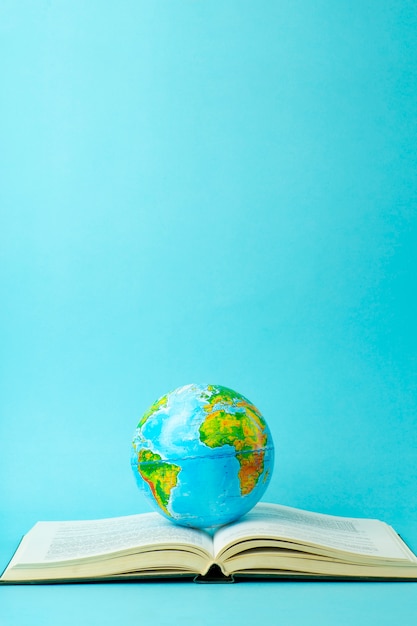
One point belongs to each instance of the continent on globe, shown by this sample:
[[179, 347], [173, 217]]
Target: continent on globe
[[203, 455], [245, 431], [160, 476]]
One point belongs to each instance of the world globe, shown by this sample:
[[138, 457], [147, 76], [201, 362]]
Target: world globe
[[203, 455]]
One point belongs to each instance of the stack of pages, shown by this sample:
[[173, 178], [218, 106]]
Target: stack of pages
[[270, 541]]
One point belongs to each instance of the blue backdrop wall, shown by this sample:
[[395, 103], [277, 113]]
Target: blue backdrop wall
[[208, 191]]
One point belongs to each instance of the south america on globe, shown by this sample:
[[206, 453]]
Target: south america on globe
[[203, 455]]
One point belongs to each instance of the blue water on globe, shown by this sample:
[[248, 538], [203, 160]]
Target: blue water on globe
[[203, 455]]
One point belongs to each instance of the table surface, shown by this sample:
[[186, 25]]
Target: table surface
[[160, 603]]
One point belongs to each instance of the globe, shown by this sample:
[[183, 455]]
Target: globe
[[203, 455]]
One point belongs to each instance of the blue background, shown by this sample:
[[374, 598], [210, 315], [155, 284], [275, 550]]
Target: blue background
[[208, 191]]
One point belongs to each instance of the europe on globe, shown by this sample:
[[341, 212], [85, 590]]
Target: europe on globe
[[203, 455]]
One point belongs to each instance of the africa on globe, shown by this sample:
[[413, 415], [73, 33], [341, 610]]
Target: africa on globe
[[203, 455]]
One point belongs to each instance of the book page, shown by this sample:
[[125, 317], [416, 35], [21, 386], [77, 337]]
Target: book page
[[359, 536], [50, 542]]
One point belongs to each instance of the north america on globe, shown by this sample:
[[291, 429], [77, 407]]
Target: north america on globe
[[203, 454]]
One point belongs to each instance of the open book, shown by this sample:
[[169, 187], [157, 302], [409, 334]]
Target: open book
[[269, 541]]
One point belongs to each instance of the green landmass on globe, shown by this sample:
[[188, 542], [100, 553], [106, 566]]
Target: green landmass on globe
[[160, 476], [244, 431], [204, 454]]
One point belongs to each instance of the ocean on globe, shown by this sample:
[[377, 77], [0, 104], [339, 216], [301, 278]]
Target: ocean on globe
[[203, 455]]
